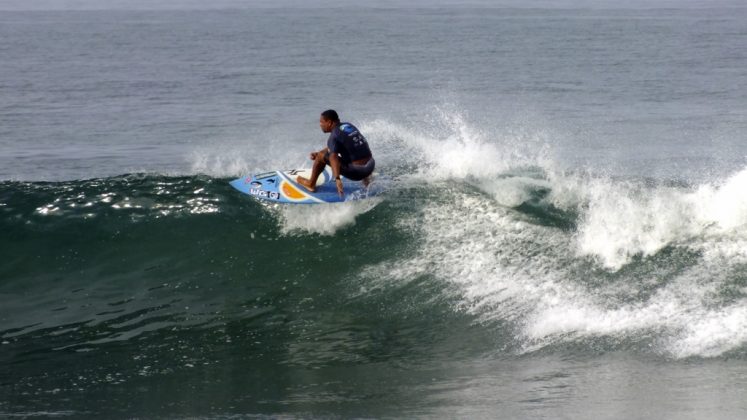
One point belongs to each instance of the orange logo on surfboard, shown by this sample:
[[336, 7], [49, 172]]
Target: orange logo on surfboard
[[292, 192]]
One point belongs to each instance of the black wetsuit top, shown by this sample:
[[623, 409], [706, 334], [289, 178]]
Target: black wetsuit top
[[349, 143]]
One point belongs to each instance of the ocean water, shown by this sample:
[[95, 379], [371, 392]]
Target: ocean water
[[563, 232]]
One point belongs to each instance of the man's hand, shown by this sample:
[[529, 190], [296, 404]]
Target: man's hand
[[340, 190], [312, 155]]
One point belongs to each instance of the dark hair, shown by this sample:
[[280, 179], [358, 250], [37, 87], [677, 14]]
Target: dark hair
[[331, 115]]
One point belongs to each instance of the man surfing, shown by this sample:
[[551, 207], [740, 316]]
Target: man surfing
[[347, 152]]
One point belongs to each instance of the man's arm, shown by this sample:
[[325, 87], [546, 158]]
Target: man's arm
[[334, 162], [312, 156]]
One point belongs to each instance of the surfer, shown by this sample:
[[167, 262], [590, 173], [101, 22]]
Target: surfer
[[347, 152]]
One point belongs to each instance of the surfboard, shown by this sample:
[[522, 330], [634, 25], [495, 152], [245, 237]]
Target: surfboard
[[281, 187]]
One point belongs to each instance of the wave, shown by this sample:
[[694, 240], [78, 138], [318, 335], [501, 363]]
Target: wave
[[543, 256]]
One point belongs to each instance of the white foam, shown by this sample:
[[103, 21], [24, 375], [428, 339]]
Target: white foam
[[503, 268], [481, 248], [713, 333], [323, 219], [683, 315], [511, 191], [446, 146], [724, 204], [621, 220]]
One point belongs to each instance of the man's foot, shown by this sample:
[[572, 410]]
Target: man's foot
[[367, 181], [305, 183]]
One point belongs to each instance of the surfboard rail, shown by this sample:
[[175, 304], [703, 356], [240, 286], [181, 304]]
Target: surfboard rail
[[281, 187]]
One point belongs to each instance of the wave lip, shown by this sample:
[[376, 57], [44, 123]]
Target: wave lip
[[622, 220]]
